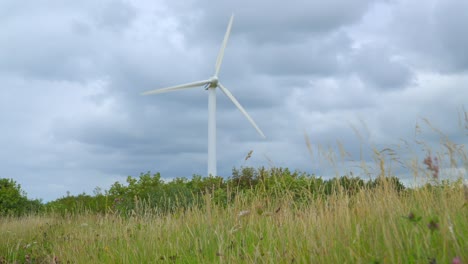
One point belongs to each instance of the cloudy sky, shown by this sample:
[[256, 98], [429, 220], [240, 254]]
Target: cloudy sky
[[347, 74]]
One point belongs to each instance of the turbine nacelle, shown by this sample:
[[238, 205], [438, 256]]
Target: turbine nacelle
[[213, 82]]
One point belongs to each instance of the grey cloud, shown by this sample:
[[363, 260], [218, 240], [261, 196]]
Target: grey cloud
[[331, 95], [50, 42], [71, 42], [279, 21], [112, 147], [451, 19], [433, 33], [135, 133], [115, 15], [376, 66], [316, 56]]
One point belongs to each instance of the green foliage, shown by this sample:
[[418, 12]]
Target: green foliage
[[79, 204], [13, 200], [149, 193]]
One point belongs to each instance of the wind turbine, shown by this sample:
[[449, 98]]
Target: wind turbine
[[211, 84]]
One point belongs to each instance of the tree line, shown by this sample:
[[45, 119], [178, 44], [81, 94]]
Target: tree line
[[149, 192]]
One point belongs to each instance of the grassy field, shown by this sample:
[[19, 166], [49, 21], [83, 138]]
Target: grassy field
[[428, 224], [373, 226]]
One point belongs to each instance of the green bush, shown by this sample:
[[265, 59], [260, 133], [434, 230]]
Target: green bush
[[79, 204], [13, 200], [391, 182]]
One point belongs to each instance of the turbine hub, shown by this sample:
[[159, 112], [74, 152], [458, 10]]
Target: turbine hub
[[213, 82]]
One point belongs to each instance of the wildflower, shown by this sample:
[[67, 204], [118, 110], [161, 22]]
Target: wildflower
[[432, 165], [413, 218], [433, 225], [456, 260]]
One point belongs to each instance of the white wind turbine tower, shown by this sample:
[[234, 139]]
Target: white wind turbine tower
[[211, 84]]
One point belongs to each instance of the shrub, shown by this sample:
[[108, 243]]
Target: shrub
[[13, 200]]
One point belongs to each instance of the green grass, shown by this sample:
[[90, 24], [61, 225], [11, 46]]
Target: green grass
[[373, 226]]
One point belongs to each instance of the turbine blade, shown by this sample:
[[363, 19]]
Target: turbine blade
[[219, 60], [177, 87], [239, 106]]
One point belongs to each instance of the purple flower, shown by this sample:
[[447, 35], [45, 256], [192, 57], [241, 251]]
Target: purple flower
[[433, 225], [432, 165]]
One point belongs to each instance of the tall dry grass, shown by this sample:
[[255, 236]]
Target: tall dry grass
[[379, 226]]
